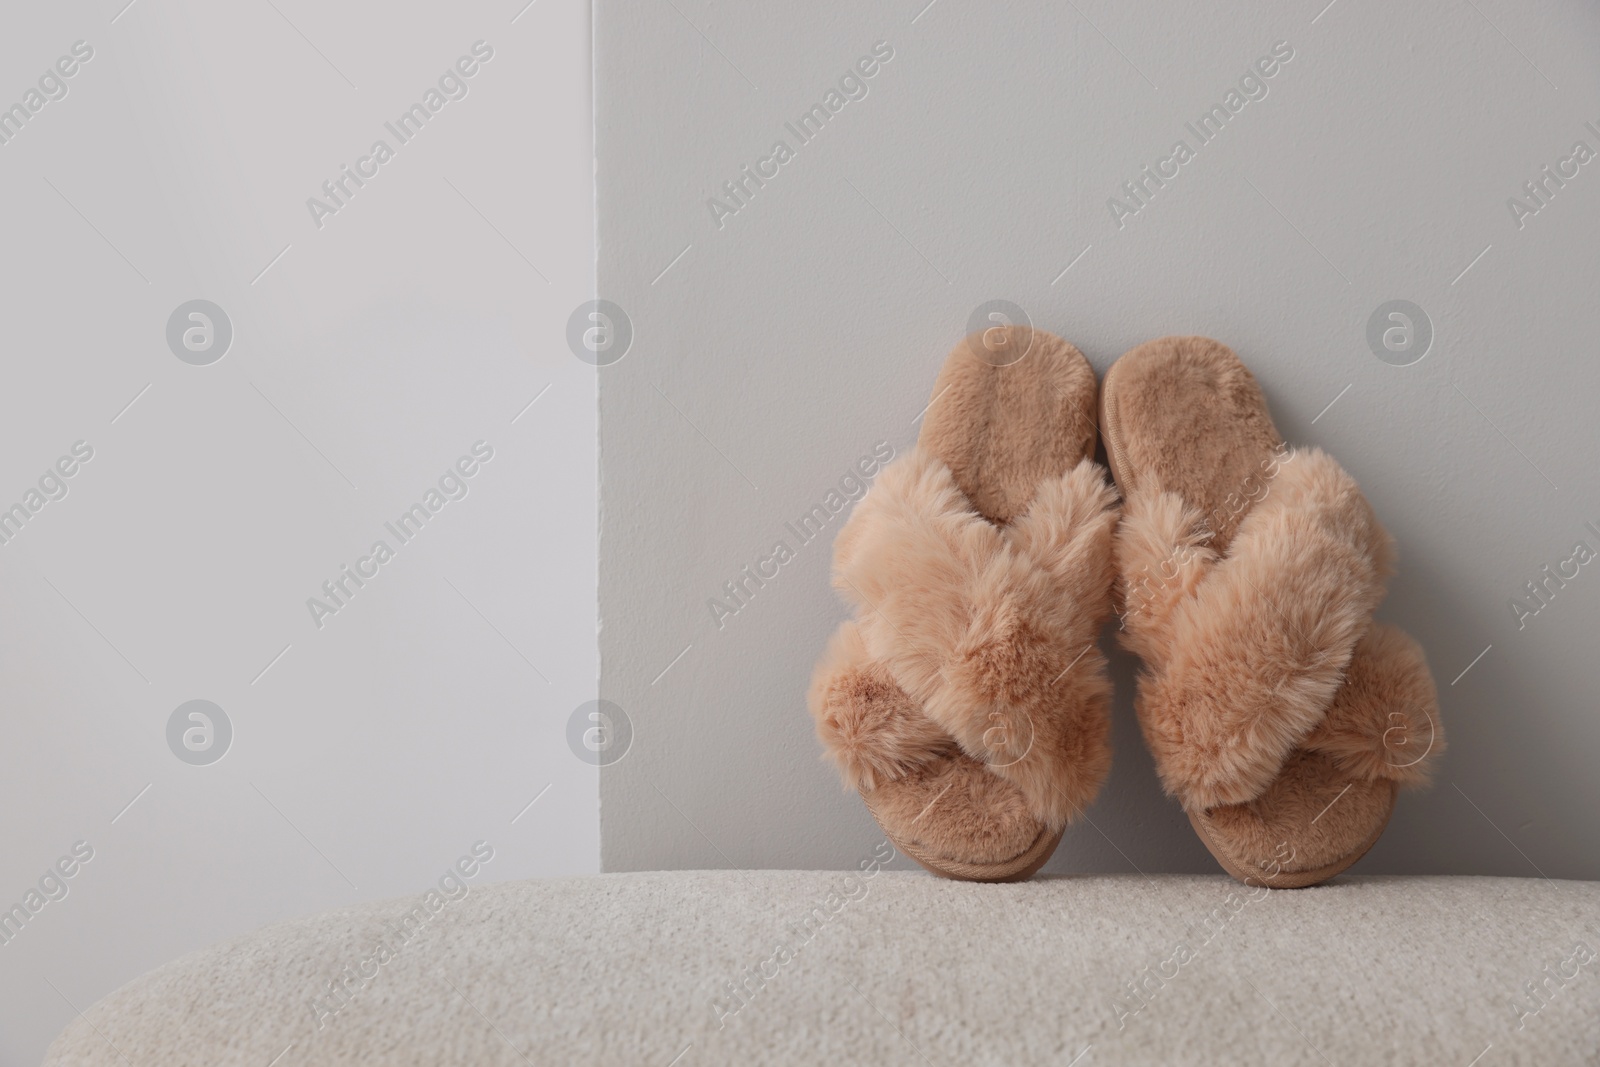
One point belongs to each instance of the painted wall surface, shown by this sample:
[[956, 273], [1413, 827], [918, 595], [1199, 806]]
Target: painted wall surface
[[371, 348], [783, 331]]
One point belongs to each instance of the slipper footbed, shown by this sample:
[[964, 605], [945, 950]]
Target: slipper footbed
[[1310, 817], [955, 810], [1188, 417], [1010, 408]]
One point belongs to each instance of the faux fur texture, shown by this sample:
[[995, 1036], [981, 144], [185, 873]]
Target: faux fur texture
[[869, 727], [979, 567], [958, 811], [1310, 816], [917, 782], [1247, 576], [1246, 663], [991, 629], [1196, 424], [1004, 429], [1384, 721]]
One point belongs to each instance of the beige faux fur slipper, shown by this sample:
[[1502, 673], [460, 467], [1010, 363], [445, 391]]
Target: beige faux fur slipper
[[1279, 714], [966, 700]]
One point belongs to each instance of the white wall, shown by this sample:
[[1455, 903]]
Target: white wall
[[365, 360], [810, 324]]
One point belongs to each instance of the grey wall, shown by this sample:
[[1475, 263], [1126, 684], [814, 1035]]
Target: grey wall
[[373, 753], [795, 333]]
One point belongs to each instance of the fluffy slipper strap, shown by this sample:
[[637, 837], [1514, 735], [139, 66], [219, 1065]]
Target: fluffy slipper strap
[[1249, 652], [989, 631]]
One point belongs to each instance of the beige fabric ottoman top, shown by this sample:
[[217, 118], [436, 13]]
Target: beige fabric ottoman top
[[887, 967]]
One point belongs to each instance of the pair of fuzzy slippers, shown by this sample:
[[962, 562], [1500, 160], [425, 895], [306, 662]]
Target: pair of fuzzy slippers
[[967, 700]]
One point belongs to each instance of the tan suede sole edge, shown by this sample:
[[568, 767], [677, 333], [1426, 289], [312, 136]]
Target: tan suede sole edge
[[1249, 873], [1242, 870], [1018, 868], [1111, 433]]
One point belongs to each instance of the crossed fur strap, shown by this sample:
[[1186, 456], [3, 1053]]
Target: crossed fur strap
[[972, 636], [1272, 647]]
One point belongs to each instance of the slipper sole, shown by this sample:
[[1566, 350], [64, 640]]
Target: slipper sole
[[1018, 868], [1247, 872]]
